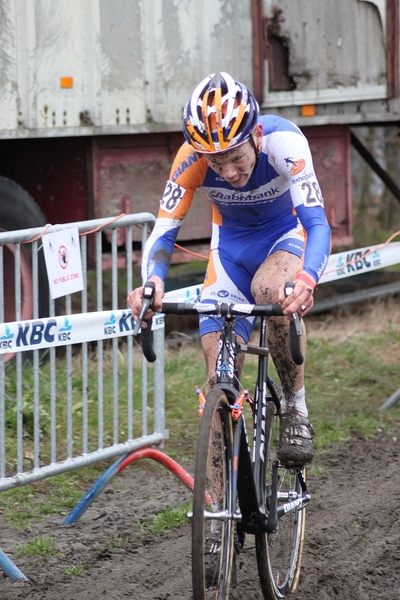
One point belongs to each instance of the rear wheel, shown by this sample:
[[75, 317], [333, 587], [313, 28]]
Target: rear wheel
[[213, 539], [279, 554]]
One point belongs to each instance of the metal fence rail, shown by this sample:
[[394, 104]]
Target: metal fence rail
[[71, 405]]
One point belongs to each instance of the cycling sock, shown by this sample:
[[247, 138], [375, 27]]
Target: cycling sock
[[297, 402]]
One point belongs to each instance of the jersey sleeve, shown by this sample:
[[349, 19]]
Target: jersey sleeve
[[187, 174], [290, 155], [318, 240]]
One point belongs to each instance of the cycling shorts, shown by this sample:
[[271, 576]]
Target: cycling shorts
[[232, 266]]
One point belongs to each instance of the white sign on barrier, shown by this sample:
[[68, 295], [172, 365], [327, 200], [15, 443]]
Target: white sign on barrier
[[62, 254], [361, 260], [70, 329], [187, 294]]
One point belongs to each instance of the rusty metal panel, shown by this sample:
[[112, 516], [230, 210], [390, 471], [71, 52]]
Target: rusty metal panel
[[330, 147], [336, 53], [130, 173]]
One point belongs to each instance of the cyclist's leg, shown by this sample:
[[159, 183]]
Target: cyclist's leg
[[277, 268], [296, 444]]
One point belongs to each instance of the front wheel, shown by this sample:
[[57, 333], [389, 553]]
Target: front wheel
[[279, 554], [213, 539]]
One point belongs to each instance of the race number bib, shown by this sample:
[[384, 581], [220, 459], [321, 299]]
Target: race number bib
[[313, 193], [173, 194]]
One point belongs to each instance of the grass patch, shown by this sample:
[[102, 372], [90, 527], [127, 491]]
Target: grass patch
[[349, 374], [74, 570], [184, 373], [57, 495], [169, 518], [347, 382], [39, 548], [61, 407], [120, 541]]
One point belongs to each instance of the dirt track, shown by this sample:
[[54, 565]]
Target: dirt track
[[352, 549], [352, 546]]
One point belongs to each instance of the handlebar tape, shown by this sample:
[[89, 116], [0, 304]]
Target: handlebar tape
[[147, 345], [295, 350], [295, 331]]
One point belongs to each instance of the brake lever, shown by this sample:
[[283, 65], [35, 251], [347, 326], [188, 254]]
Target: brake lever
[[295, 331], [149, 289], [289, 287]]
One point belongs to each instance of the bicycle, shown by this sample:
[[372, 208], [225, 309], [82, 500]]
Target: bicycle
[[240, 488]]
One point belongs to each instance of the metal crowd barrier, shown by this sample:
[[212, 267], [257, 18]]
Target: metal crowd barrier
[[74, 388]]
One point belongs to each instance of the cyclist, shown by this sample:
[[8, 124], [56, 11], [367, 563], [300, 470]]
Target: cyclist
[[268, 227]]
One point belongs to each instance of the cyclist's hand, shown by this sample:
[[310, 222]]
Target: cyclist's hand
[[135, 300], [300, 300]]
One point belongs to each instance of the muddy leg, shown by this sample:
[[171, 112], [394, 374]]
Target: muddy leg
[[277, 269]]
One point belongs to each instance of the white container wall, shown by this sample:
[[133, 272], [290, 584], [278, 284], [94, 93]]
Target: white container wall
[[121, 66]]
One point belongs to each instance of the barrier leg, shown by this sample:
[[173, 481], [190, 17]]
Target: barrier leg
[[394, 398], [116, 468], [10, 568]]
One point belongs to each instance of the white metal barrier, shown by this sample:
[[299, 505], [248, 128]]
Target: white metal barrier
[[85, 394]]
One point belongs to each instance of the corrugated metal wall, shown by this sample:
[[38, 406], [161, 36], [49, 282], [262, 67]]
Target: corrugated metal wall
[[133, 62], [336, 50]]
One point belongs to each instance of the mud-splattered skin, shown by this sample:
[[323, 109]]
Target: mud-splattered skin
[[267, 283]]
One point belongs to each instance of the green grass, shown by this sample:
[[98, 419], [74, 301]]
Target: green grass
[[168, 519], [39, 548], [23, 506], [119, 541], [74, 570], [61, 405], [346, 384], [184, 373]]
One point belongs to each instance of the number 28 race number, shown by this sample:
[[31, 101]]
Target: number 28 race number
[[173, 194]]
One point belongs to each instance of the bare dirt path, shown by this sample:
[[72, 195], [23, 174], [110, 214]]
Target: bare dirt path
[[352, 549], [352, 546]]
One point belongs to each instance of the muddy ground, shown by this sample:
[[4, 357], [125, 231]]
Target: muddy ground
[[352, 549]]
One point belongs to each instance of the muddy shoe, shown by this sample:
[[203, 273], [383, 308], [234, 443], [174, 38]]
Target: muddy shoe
[[296, 447]]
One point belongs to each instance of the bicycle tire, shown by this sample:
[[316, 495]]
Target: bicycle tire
[[213, 540], [279, 554]]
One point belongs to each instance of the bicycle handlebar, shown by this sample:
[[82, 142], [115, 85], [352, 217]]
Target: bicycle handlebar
[[218, 310], [222, 310], [295, 331]]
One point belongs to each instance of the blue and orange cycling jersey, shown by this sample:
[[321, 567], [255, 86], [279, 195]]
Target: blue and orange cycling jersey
[[281, 196]]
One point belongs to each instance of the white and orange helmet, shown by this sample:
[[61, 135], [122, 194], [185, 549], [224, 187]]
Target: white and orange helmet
[[220, 115]]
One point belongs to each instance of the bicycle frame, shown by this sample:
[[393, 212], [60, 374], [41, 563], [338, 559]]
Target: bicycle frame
[[252, 494], [249, 467]]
